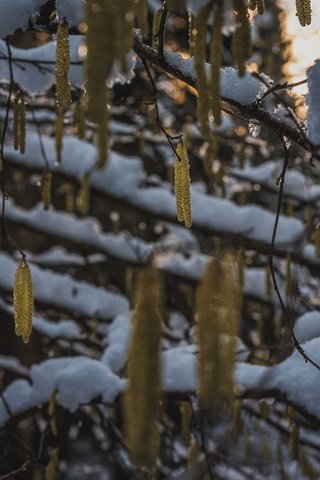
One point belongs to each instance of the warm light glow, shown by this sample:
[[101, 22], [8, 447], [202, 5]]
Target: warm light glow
[[305, 42]]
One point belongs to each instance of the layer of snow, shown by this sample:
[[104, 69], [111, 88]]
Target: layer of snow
[[211, 213], [38, 77], [77, 380], [71, 10], [119, 334], [307, 326], [16, 14], [67, 329], [179, 369], [244, 90], [298, 380], [296, 184], [62, 291], [84, 232]]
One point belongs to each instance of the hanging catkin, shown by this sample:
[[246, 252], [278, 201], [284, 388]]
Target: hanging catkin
[[52, 413], [294, 442], [178, 189], [142, 399], [19, 123], [79, 118], [241, 42], [22, 126], [215, 57], [141, 12], [63, 91], [100, 55], [23, 300], [16, 126], [182, 186], [218, 305], [52, 467], [58, 135], [83, 197], [303, 8], [200, 30], [46, 188]]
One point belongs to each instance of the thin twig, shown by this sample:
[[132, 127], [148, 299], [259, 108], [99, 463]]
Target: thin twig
[[170, 138], [283, 86], [42, 149], [3, 137], [285, 312]]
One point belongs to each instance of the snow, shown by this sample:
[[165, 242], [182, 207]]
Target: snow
[[61, 290], [67, 329], [13, 364], [313, 101], [119, 334], [307, 326], [243, 90], [38, 77], [71, 10], [218, 215], [16, 14], [298, 380], [179, 369], [83, 232], [296, 184], [77, 380]]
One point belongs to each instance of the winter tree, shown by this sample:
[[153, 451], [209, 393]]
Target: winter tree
[[159, 171]]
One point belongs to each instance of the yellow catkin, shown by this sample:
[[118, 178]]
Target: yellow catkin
[[142, 399], [218, 305], [237, 421], [79, 118], [200, 29], [191, 33], [303, 8], [63, 90], [46, 188], [58, 135], [215, 57], [102, 140], [155, 26], [100, 55], [16, 121], [294, 442], [83, 197], [194, 452], [178, 189], [175, 6], [141, 11], [52, 413], [23, 300], [22, 126], [241, 42], [183, 184], [51, 472], [186, 415]]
